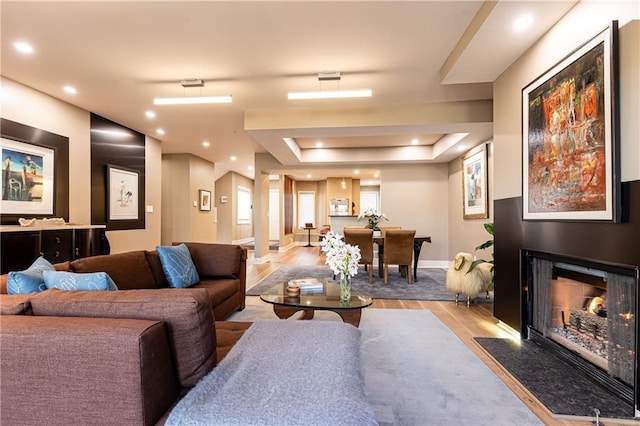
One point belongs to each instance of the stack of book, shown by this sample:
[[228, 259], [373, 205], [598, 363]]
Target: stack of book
[[308, 285]]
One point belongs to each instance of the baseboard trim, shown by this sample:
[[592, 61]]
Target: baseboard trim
[[433, 264], [260, 260]]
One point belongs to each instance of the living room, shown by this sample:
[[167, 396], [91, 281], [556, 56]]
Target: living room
[[424, 196]]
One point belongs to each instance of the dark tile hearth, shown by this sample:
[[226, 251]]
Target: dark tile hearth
[[559, 386]]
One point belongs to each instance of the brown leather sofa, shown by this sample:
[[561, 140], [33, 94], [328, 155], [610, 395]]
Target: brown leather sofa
[[106, 357], [221, 267]]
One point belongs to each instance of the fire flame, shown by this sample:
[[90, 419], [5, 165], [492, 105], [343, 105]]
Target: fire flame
[[595, 304]]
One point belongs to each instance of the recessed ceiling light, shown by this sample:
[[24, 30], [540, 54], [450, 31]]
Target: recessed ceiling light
[[250, 167], [308, 175], [70, 90], [331, 94], [160, 131], [522, 22], [206, 144], [233, 158], [356, 172], [23, 47], [414, 141], [150, 114], [319, 144], [376, 175]]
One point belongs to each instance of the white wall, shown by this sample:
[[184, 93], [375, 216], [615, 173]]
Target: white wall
[[27, 106], [416, 196], [583, 22]]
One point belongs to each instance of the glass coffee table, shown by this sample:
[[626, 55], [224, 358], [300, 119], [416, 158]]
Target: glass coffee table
[[321, 296]]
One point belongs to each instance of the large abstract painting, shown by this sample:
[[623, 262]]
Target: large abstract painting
[[570, 144]]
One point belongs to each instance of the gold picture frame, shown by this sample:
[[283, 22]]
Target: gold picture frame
[[475, 196]]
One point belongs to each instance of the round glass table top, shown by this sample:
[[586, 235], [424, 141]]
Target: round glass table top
[[315, 294]]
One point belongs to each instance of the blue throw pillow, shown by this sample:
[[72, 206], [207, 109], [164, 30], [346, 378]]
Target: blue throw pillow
[[72, 281], [178, 266], [31, 280]]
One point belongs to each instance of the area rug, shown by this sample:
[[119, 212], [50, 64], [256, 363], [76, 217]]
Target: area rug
[[562, 389], [430, 284], [417, 372]]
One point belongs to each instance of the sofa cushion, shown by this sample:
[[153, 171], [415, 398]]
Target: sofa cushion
[[128, 270], [15, 304], [31, 280], [186, 312], [177, 266], [216, 260], [72, 281], [219, 289], [74, 371], [156, 268], [227, 335]]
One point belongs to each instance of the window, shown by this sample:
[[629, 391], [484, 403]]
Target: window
[[306, 207], [369, 200], [244, 206]]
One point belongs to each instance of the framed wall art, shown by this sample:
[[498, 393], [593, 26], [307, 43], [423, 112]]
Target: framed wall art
[[205, 200], [474, 184], [35, 173], [122, 193], [27, 178], [570, 161]]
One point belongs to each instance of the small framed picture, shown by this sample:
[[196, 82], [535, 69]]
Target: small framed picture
[[205, 200], [474, 184], [122, 193]]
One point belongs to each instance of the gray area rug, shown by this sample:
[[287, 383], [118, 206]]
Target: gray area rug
[[417, 372], [430, 284]]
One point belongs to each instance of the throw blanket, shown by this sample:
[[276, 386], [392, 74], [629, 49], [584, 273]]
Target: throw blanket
[[283, 373]]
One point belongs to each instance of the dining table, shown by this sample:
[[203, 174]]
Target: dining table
[[418, 240]]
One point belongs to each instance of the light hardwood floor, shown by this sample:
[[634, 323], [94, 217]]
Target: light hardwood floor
[[466, 323]]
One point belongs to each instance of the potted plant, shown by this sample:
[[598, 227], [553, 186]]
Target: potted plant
[[373, 217], [489, 243]]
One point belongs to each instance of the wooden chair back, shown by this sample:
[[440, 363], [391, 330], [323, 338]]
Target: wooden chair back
[[398, 250], [384, 229], [363, 238]]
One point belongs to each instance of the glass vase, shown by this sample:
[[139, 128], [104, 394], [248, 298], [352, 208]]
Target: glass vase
[[345, 288]]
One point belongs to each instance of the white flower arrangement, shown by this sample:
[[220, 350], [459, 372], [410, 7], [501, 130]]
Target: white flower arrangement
[[342, 258], [373, 217]]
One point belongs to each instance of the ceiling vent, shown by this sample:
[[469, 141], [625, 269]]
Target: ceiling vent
[[192, 82], [328, 75]]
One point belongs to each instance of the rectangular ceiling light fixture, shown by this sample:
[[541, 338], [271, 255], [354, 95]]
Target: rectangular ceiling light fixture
[[331, 94], [193, 100]]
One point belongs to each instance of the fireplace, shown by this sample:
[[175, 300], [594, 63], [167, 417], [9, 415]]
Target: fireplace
[[584, 312]]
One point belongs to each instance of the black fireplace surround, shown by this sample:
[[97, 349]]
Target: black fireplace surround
[[614, 245]]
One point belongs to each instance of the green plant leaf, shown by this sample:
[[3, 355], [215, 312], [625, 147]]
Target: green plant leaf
[[489, 227], [485, 245]]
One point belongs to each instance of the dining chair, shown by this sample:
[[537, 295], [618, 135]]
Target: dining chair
[[323, 233], [363, 238], [384, 229], [398, 250]]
